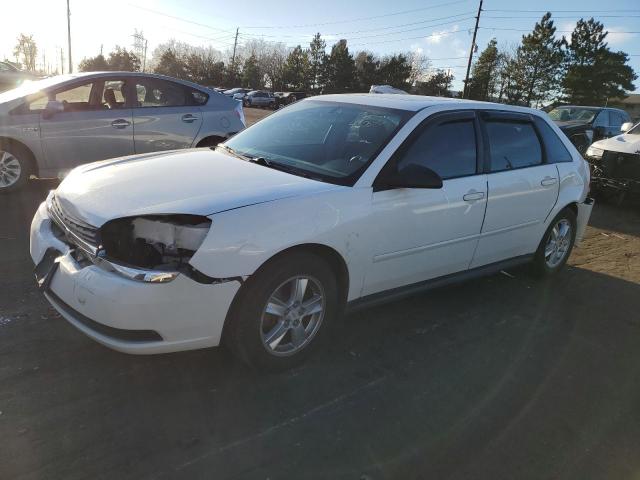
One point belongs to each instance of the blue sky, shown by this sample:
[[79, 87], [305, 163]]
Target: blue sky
[[440, 29]]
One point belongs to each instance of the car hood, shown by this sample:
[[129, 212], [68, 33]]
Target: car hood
[[624, 143], [196, 181]]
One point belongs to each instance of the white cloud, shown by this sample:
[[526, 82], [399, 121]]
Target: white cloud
[[618, 36], [436, 37]]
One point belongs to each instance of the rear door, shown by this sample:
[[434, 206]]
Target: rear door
[[166, 115], [90, 127], [522, 188]]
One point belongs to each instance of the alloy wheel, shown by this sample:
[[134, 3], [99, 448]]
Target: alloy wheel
[[558, 243], [10, 169], [293, 315]]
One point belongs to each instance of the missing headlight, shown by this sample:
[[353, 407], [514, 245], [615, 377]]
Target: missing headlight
[[160, 242]]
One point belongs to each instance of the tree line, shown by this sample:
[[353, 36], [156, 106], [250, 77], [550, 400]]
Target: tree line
[[544, 69], [541, 69]]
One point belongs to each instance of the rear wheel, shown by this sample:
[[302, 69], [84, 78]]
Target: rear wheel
[[282, 312], [556, 245], [15, 167]]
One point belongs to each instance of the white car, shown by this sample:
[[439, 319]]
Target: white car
[[333, 203]]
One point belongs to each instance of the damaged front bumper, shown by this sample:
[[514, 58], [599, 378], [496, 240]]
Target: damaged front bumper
[[123, 312], [584, 213]]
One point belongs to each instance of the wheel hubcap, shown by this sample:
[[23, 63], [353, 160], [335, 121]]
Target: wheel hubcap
[[10, 169], [558, 243], [292, 316]]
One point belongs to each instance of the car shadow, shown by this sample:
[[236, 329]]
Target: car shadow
[[464, 381]]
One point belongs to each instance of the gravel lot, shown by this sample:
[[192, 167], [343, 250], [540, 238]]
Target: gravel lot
[[500, 378]]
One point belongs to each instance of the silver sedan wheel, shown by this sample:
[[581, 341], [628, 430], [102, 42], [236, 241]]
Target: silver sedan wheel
[[558, 243], [10, 169], [293, 315]]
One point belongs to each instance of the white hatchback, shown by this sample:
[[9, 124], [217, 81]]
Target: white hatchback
[[333, 203]]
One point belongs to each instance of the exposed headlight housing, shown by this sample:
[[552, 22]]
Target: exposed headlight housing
[[152, 248], [594, 152]]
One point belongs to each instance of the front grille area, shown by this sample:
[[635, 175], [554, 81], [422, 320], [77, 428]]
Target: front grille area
[[87, 235]]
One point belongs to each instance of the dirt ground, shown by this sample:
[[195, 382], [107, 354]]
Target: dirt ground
[[505, 377]]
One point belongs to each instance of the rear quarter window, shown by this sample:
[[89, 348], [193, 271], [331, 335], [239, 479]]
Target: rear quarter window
[[555, 150]]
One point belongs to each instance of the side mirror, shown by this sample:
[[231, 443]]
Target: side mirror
[[412, 176], [626, 126], [53, 107]]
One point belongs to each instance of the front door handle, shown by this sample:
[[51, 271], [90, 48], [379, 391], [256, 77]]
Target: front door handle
[[188, 118], [548, 181], [120, 123], [473, 196]]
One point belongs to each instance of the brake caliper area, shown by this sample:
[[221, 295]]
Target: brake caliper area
[[155, 242]]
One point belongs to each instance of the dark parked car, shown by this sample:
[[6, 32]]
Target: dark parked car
[[286, 98], [11, 76], [585, 125]]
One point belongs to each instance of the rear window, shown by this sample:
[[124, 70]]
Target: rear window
[[513, 145], [554, 148]]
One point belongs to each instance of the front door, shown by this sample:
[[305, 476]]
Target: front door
[[523, 189], [165, 117], [426, 233], [96, 124]]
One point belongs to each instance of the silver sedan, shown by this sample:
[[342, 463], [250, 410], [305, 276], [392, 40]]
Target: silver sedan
[[49, 126]]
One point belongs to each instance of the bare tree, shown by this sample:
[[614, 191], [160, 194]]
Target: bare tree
[[27, 49]]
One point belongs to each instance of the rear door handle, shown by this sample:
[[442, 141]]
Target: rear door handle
[[473, 196], [120, 123], [188, 118], [548, 181]]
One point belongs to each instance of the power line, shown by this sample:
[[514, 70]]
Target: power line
[[181, 19], [562, 17], [559, 11], [447, 4], [436, 34], [368, 29], [529, 30]]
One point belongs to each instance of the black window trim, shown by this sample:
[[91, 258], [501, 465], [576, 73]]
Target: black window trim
[[514, 117], [436, 118]]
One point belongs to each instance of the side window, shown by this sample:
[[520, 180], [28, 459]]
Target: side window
[[616, 120], [75, 98], [198, 97], [448, 148], [160, 93], [555, 149], [512, 145], [602, 120], [113, 95]]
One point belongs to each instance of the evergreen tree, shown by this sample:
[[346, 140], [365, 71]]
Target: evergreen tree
[[367, 71], [297, 71], [123, 60], [170, 64], [93, 64], [437, 84], [251, 77], [317, 60], [339, 69], [594, 73], [535, 70], [485, 72], [396, 71]]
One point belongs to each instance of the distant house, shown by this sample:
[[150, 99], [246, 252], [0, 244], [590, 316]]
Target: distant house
[[631, 105]]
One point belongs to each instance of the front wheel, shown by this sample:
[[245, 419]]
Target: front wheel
[[556, 245], [282, 311]]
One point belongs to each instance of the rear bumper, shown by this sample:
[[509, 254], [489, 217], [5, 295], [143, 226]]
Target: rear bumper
[[127, 315], [584, 213]]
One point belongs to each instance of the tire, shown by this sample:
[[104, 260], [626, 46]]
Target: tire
[[251, 329], [16, 165], [545, 263]]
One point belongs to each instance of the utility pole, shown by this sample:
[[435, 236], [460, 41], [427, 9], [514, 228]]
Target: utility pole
[[61, 62], [465, 91], [69, 36], [235, 44], [144, 58]]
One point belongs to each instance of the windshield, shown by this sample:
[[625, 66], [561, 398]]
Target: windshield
[[329, 141], [29, 87], [635, 130], [569, 114]]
